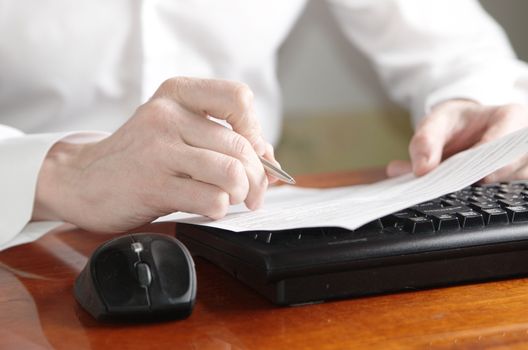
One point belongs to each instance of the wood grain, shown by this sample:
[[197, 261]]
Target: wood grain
[[38, 310]]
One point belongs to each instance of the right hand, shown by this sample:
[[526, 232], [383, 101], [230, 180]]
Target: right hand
[[168, 157]]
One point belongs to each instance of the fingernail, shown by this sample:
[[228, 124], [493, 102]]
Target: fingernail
[[397, 170], [423, 159], [420, 163]]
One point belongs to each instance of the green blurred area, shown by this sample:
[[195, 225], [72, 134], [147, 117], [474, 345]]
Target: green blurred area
[[343, 141]]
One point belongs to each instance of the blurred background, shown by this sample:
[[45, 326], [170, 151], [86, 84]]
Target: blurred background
[[337, 116]]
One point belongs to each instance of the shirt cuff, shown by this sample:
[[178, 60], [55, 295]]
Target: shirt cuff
[[21, 157], [486, 88]]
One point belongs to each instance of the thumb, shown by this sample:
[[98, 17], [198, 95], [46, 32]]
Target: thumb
[[427, 145], [398, 167]]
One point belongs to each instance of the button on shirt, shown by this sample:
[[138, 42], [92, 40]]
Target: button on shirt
[[67, 67]]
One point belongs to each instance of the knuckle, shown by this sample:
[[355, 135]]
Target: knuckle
[[239, 192], [243, 96], [236, 183], [175, 86], [172, 83], [240, 145], [233, 169], [159, 109], [166, 87], [218, 205]]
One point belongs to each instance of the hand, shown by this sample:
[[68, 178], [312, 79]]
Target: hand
[[168, 157], [456, 125]]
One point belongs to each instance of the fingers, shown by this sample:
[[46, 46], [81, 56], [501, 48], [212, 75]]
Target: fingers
[[205, 134], [503, 120], [517, 170], [458, 125], [222, 99], [213, 168], [191, 196], [195, 99], [398, 167], [427, 145]]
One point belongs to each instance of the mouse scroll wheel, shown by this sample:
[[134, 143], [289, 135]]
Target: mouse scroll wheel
[[143, 274], [137, 247]]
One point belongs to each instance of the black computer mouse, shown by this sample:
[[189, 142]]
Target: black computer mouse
[[142, 276]]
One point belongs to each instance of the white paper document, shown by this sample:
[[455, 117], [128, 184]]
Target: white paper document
[[289, 207]]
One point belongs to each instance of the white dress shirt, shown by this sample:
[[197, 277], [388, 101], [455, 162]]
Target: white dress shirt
[[86, 65]]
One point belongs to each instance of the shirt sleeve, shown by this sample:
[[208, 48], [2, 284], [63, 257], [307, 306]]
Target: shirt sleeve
[[21, 157], [429, 51]]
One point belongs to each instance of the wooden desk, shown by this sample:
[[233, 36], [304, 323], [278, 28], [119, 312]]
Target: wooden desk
[[38, 310]]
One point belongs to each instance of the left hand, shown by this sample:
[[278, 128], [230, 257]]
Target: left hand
[[456, 125]]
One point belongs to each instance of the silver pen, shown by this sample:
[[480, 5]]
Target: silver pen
[[277, 172]]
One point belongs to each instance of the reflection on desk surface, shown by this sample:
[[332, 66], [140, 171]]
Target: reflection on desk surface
[[38, 310]]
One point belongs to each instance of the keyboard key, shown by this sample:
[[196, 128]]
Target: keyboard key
[[418, 224], [511, 188], [453, 202], [470, 219], [396, 218], [517, 213], [463, 197], [445, 222], [509, 196], [428, 205], [512, 202], [482, 206], [495, 216], [481, 199]]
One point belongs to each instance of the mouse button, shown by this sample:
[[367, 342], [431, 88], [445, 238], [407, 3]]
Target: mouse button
[[115, 276], [144, 275], [173, 268]]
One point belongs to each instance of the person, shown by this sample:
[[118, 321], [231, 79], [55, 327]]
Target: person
[[75, 146]]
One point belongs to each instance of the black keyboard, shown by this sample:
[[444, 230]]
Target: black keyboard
[[477, 234]]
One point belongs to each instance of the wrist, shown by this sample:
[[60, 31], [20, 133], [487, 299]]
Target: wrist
[[54, 184]]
